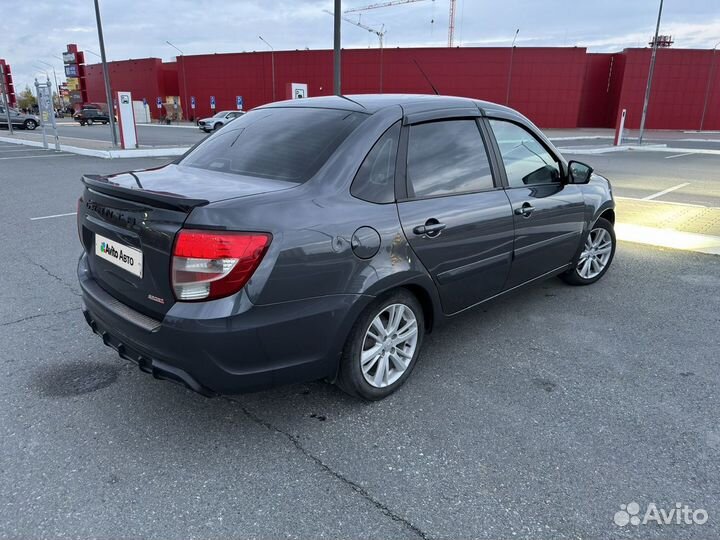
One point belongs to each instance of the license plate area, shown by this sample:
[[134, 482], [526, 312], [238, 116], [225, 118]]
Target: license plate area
[[119, 254]]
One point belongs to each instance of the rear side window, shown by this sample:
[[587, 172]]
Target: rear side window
[[284, 144], [447, 157], [375, 180]]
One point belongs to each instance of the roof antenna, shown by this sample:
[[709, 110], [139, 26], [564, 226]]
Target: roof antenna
[[426, 78]]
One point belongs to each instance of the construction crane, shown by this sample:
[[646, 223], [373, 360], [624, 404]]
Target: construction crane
[[379, 33], [451, 23]]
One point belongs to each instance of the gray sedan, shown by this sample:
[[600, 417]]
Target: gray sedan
[[18, 119]]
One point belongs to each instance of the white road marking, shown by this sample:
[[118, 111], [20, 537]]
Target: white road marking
[[664, 192], [16, 149], [680, 155], [665, 202], [39, 156], [53, 216]]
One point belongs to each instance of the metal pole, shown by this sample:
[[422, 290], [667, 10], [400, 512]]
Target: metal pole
[[512, 55], [650, 75], [336, 46], [6, 99], [40, 110], [106, 75], [52, 115], [185, 99], [707, 88], [272, 60], [381, 62]]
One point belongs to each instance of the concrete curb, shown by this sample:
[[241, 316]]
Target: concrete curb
[[635, 148], [106, 154]]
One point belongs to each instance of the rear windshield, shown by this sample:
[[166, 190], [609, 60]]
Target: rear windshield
[[285, 144]]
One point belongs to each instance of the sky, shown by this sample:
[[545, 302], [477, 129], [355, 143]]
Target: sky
[[36, 32]]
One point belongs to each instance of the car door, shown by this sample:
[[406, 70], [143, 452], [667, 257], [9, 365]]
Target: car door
[[453, 210], [548, 213]]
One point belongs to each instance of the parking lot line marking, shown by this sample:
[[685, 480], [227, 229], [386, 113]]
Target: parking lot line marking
[[31, 157], [664, 191], [665, 202], [53, 216], [680, 155]]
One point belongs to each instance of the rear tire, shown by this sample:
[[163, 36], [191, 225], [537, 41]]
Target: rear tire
[[90, 122], [383, 347], [30, 124], [597, 254]]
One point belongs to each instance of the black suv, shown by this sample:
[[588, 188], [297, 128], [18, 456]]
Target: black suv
[[321, 238], [91, 116]]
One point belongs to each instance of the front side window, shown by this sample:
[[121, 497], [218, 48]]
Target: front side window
[[279, 143], [526, 161], [375, 180], [447, 157]]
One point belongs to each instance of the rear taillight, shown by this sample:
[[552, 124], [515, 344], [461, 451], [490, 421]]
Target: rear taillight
[[212, 264]]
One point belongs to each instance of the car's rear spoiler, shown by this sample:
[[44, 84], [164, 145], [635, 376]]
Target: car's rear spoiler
[[162, 200]]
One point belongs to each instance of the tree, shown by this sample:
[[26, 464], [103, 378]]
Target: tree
[[26, 99]]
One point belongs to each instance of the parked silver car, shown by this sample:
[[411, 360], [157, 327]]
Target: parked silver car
[[218, 120], [18, 119]]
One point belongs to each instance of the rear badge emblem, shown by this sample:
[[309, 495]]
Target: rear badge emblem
[[156, 299]]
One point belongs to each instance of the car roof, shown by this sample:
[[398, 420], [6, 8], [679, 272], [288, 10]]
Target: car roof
[[372, 103]]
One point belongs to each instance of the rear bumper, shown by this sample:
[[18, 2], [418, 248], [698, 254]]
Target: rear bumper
[[256, 348]]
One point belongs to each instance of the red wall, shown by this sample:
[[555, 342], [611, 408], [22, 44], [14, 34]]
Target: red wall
[[678, 89], [146, 78], [554, 87], [546, 84]]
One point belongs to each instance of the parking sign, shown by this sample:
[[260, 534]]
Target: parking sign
[[159, 103], [239, 102], [192, 102], [212, 102]]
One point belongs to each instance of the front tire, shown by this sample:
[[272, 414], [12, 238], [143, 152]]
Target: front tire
[[217, 126], [30, 124], [597, 254], [383, 347], [90, 122]]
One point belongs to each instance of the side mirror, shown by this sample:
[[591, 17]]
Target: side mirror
[[579, 173]]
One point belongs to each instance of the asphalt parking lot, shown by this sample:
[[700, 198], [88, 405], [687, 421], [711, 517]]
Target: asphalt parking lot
[[535, 416]]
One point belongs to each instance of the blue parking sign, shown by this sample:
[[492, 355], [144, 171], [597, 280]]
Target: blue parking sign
[[192, 102], [144, 101], [212, 102], [159, 103], [239, 102]]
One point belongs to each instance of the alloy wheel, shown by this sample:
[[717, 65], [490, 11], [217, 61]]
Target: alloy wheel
[[596, 253], [389, 345]]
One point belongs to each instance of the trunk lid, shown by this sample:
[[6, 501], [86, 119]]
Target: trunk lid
[[140, 213]]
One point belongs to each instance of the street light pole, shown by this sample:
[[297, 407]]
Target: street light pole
[[106, 75], [512, 55], [707, 88], [336, 48], [272, 62], [185, 99], [650, 75]]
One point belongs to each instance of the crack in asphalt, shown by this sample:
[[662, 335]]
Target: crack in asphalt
[[352, 485], [30, 317], [57, 278]]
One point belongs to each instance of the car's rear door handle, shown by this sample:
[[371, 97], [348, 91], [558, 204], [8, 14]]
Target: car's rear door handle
[[431, 228], [525, 210]]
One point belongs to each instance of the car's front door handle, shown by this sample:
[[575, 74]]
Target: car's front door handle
[[525, 210], [431, 228]]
